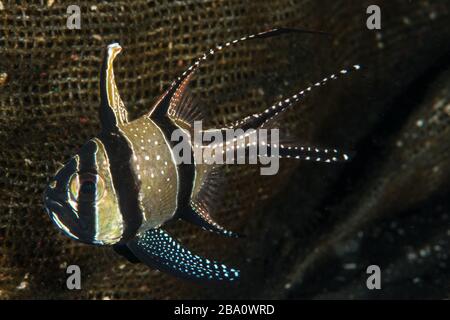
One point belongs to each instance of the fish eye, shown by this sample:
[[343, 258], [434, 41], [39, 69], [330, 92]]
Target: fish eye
[[86, 187]]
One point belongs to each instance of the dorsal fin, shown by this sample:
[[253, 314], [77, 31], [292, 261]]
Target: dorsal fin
[[184, 109], [162, 106], [112, 109]]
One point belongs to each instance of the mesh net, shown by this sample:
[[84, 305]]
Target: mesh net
[[299, 223]]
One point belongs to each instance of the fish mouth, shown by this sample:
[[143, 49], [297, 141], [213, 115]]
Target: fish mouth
[[66, 218], [59, 206], [62, 214], [66, 213]]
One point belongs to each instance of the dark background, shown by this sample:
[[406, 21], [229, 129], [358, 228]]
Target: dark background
[[313, 229]]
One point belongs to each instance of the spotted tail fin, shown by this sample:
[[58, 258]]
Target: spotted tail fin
[[258, 120], [158, 249]]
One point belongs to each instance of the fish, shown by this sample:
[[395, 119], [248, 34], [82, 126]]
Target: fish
[[125, 184]]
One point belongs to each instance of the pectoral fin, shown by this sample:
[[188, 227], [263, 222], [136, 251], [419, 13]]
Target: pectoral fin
[[158, 249], [125, 252]]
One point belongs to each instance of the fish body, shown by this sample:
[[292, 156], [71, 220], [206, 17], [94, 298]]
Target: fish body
[[155, 168], [124, 185]]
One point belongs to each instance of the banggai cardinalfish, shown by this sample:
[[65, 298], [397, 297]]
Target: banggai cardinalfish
[[124, 185]]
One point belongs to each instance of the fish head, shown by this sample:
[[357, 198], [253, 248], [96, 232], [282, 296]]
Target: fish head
[[81, 199]]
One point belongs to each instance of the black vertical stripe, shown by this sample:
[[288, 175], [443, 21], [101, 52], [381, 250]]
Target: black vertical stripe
[[124, 180], [186, 172], [86, 202]]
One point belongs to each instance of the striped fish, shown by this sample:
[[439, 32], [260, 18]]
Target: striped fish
[[124, 185]]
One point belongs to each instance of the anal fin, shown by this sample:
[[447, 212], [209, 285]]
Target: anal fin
[[158, 249], [198, 215]]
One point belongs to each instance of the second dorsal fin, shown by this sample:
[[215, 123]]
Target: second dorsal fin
[[164, 103], [184, 108]]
